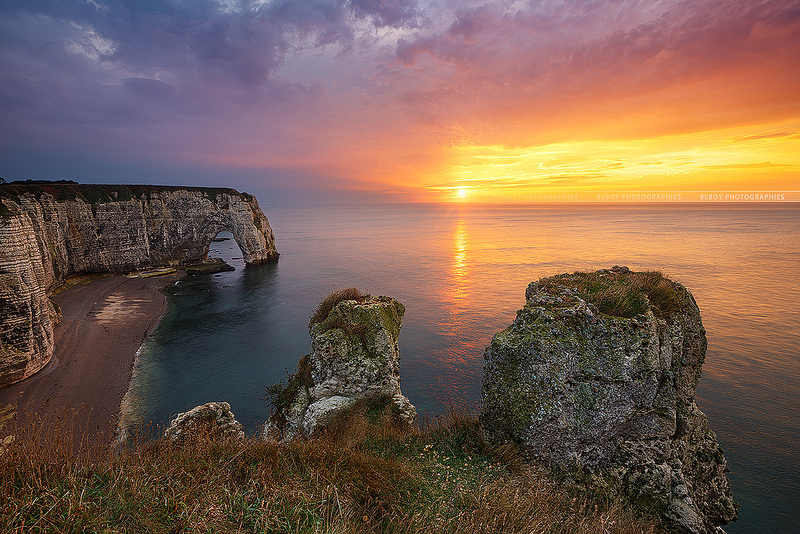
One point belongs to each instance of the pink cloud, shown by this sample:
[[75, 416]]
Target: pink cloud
[[386, 84], [582, 57]]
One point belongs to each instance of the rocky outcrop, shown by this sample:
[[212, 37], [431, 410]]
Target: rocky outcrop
[[214, 418], [49, 231], [354, 356], [597, 374]]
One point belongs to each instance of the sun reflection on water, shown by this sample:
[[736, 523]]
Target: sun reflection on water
[[460, 267]]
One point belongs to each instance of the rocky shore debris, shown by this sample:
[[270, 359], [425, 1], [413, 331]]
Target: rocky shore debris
[[354, 357], [596, 377], [215, 418], [210, 266], [153, 273]]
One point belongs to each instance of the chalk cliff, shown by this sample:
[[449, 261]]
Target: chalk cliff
[[49, 231], [597, 375]]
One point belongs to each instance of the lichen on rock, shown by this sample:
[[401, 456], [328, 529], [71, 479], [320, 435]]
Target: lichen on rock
[[354, 356], [598, 373]]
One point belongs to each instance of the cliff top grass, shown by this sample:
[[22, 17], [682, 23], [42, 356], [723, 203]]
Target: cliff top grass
[[63, 190], [619, 291], [332, 299], [362, 477]]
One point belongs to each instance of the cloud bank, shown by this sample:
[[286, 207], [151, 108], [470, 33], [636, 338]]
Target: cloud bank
[[376, 94]]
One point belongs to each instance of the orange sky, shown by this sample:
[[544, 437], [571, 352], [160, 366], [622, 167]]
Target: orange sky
[[408, 100]]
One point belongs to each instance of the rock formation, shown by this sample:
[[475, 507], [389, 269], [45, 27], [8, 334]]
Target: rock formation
[[215, 418], [354, 355], [49, 231], [597, 374]]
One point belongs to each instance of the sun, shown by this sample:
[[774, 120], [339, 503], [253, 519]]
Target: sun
[[461, 193]]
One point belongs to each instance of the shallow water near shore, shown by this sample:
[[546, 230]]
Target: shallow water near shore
[[461, 272]]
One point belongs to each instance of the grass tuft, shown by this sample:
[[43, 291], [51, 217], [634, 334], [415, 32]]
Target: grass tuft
[[621, 293], [362, 476], [332, 299], [280, 396]]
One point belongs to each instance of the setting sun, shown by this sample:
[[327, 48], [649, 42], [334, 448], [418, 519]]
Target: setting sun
[[534, 189], [755, 158]]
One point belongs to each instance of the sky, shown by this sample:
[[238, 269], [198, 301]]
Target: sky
[[406, 100]]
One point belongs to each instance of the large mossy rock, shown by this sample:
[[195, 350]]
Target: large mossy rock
[[354, 356], [597, 376]]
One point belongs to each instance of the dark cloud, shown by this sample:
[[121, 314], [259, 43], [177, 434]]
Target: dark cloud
[[270, 82], [242, 41], [149, 89], [394, 13], [121, 63]]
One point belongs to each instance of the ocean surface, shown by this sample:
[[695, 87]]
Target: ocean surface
[[461, 271]]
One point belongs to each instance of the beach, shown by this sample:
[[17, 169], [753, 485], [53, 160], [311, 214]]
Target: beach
[[104, 322]]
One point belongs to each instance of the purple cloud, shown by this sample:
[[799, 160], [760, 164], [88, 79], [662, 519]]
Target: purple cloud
[[93, 66], [395, 13], [339, 84], [547, 59]]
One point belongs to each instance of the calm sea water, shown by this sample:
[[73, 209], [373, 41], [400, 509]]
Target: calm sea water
[[461, 272]]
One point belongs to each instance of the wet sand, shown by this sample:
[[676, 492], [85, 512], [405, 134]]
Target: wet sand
[[104, 324]]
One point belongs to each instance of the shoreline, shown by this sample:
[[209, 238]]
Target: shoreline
[[104, 324]]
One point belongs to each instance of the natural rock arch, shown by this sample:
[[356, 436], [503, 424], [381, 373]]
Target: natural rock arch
[[243, 239], [49, 231]]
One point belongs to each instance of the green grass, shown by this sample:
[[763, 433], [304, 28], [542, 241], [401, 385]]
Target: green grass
[[621, 294], [63, 190], [364, 475], [322, 314], [279, 396]]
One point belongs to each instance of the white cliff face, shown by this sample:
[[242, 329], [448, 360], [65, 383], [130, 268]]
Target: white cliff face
[[28, 316], [51, 231]]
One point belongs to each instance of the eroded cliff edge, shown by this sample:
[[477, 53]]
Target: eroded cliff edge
[[597, 376], [49, 231]]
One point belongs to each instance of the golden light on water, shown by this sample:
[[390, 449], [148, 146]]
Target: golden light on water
[[460, 270]]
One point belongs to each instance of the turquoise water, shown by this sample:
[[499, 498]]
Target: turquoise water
[[461, 272]]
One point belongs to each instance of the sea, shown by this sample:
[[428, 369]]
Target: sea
[[461, 271]]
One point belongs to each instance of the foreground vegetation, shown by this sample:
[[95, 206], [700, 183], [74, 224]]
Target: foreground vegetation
[[332, 299], [621, 294], [365, 475]]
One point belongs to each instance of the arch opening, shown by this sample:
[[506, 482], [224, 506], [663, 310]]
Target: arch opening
[[224, 247]]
